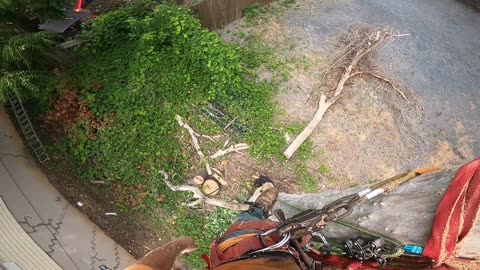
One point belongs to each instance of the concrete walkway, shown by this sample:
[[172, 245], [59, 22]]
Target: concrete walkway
[[64, 233]]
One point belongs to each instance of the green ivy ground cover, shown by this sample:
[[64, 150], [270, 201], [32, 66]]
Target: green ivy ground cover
[[143, 65]]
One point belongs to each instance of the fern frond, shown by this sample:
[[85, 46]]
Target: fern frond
[[22, 49], [18, 82]]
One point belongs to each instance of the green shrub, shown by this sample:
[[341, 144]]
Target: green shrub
[[22, 62], [143, 66], [153, 65], [13, 10]]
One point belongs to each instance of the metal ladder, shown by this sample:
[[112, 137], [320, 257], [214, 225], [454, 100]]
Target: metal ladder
[[27, 128]]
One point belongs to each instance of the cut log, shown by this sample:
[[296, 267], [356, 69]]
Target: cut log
[[210, 187], [198, 180], [201, 198], [405, 214]]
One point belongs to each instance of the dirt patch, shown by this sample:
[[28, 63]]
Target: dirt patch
[[130, 229], [366, 137], [241, 170], [372, 132], [298, 92], [448, 153]]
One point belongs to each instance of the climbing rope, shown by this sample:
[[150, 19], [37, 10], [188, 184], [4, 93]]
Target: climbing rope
[[398, 250]]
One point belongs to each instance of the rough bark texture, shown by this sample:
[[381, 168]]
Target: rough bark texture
[[405, 214]]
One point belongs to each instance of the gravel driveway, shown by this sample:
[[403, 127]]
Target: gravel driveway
[[440, 59]]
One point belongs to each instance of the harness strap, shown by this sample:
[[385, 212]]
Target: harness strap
[[260, 225], [243, 247], [233, 241], [229, 248]]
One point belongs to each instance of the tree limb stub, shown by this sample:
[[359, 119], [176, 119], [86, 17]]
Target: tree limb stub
[[195, 142], [200, 198], [232, 148], [366, 45]]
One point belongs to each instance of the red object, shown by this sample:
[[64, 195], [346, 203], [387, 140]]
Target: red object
[[206, 259], [78, 5], [456, 214], [454, 219], [218, 257]]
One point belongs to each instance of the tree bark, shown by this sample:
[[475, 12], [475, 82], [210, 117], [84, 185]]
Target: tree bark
[[405, 214]]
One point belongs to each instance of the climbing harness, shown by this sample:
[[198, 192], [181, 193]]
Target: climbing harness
[[300, 235], [305, 226]]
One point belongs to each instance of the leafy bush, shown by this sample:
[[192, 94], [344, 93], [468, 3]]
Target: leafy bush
[[145, 64], [22, 61], [152, 65], [11, 10]]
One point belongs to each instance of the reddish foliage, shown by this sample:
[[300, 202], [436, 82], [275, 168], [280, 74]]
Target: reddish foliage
[[131, 196], [67, 111], [142, 170]]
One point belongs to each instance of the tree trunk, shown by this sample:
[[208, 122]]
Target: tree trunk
[[405, 214]]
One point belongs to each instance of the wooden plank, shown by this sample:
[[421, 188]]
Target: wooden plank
[[214, 14]]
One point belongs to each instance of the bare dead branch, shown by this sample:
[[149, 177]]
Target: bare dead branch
[[353, 53], [230, 123], [211, 138], [200, 198], [196, 144], [193, 135], [322, 108], [381, 78], [233, 148], [401, 35]]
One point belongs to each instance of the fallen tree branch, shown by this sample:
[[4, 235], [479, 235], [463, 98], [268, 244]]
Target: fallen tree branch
[[211, 138], [200, 198], [195, 142], [355, 52], [381, 78], [193, 135], [230, 123], [232, 148], [322, 108]]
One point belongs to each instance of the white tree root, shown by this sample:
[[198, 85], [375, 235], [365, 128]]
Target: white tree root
[[200, 198]]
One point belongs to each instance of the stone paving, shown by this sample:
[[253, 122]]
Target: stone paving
[[63, 232]]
